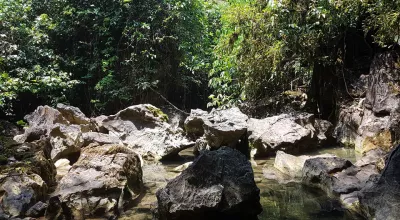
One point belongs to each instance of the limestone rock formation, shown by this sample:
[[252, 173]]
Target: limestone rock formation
[[99, 184], [280, 132], [143, 128], [224, 127], [380, 198], [218, 185], [374, 121]]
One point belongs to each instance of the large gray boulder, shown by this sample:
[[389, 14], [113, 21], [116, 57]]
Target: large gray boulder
[[21, 191], [41, 122], [332, 174], [99, 184], [144, 129], [225, 127], [283, 132], [218, 185], [194, 122], [73, 114], [65, 140], [222, 127], [380, 198]]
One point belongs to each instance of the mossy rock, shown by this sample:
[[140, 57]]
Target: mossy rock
[[348, 144], [382, 140], [292, 93], [158, 113]]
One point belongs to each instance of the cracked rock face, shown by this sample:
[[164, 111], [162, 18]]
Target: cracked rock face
[[217, 185], [282, 132], [220, 127], [380, 198], [143, 128], [99, 184], [21, 191]]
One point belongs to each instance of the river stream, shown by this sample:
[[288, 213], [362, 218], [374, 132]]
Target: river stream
[[279, 201]]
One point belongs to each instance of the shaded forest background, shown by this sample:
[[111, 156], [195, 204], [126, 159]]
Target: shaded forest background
[[104, 55]]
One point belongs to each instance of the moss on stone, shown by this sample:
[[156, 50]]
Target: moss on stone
[[382, 140], [395, 89], [348, 144], [292, 93], [158, 113]]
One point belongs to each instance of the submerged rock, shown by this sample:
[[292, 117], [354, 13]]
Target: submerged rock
[[293, 165], [320, 172], [99, 184], [218, 185]]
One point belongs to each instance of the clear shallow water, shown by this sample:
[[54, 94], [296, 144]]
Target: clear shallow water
[[280, 201]]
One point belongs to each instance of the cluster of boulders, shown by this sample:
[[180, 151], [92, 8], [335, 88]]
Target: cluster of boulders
[[230, 127], [359, 186], [85, 167]]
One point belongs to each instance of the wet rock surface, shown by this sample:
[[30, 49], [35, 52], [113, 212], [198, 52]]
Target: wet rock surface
[[218, 185], [293, 165]]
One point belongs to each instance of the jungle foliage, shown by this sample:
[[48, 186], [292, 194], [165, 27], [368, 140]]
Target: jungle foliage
[[103, 55]]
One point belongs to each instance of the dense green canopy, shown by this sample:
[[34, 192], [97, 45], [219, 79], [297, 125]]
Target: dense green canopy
[[102, 55]]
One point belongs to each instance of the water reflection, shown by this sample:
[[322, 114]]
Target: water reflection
[[280, 201]]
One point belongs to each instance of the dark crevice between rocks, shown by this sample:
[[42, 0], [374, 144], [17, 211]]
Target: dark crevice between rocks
[[73, 157]]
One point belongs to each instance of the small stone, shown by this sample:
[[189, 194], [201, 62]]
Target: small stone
[[37, 210]]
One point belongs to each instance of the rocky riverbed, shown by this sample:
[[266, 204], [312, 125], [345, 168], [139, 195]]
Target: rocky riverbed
[[220, 165], [279, 201]]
